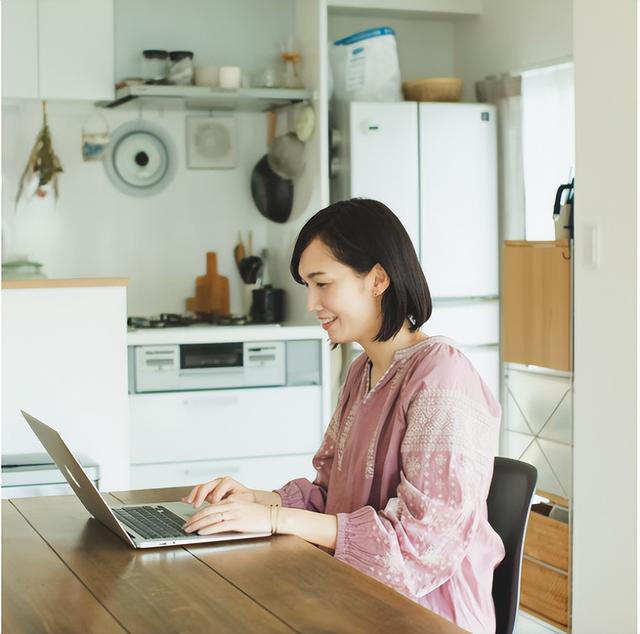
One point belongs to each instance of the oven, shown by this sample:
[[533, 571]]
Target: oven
[[207, 366]]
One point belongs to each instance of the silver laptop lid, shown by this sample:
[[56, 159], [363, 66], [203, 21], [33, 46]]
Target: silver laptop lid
[[81, 484]]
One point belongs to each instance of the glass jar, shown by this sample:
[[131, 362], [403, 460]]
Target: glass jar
[[154, 65], [181, 69]]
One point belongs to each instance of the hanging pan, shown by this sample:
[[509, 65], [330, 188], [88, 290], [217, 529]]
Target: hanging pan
[[272, 194]]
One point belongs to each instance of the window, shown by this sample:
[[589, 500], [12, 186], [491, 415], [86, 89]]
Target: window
[[548, 143]]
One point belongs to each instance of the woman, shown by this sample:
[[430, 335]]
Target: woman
[[404, 468]]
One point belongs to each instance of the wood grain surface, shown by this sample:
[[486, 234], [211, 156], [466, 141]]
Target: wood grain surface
[[39, 593], [155, 590], [298, 581], [65, 572]]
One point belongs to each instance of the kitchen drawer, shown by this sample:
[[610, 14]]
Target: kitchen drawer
[[256, 473], [217, 424], [547, 540], [545, 592]]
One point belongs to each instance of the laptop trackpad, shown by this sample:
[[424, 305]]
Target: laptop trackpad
[[181, 509]]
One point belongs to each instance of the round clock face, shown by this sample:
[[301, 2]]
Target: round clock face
[[141, 160]]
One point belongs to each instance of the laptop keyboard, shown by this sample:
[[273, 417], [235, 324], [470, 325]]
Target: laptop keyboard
[[152, 522]]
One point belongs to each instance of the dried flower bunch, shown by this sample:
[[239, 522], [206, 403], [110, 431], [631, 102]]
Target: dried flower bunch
[[43, 161]]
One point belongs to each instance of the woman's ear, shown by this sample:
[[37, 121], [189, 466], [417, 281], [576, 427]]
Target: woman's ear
[[380, 280]]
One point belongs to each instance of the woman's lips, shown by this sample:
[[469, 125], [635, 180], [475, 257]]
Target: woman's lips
[[327, 324]]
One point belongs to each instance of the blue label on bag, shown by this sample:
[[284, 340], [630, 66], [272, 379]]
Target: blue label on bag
[[365, 35]]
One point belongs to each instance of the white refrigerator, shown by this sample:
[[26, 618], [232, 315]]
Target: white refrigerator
[[435, 166]]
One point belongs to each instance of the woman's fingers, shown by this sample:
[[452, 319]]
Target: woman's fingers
[[225, 486], [199, 493], [208, 516], [221, 527]]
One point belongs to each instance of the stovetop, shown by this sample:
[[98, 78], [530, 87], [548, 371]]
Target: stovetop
[[174, 320]]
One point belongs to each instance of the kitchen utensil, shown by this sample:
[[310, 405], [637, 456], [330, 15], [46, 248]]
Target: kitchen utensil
[[212, 290], [304, 121], [140, 160], [286, 156], [249, 268], [272, 194], [238, 251], [563, 213]]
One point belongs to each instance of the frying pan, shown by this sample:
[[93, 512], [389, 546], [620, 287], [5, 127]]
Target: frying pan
[[272, 194]]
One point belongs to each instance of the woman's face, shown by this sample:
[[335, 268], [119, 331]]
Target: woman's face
[[347, 304]]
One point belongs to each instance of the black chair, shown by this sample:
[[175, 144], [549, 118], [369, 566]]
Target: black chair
[[512, 488]]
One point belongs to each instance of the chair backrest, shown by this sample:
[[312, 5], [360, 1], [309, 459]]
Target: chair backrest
[[512, 488]]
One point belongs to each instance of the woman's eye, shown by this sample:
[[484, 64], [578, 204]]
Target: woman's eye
[[321, 284]]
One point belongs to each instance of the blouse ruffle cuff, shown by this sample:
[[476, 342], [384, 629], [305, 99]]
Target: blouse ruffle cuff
[[354, 530], [292, 496]]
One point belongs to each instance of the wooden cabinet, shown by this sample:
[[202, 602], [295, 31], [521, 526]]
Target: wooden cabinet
[[58, 49], [545, 579], [536, 303]]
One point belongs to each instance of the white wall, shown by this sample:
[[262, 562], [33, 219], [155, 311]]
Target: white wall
[[94, 230], [511, 35], [605, 428]]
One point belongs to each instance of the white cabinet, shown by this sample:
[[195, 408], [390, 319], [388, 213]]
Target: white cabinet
[[58, 49], [20, 48], [64, 360], [256, 473], [221, 424]]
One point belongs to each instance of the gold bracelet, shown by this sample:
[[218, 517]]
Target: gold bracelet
[[271, 518]]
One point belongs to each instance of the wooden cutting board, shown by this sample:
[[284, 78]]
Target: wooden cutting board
[[212, 290]]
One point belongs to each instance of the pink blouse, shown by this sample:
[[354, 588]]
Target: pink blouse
[[406, 467]]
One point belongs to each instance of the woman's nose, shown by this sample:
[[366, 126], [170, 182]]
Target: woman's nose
[[312, 300]]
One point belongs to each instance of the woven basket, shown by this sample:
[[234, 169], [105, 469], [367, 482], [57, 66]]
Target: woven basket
[[433, 89]]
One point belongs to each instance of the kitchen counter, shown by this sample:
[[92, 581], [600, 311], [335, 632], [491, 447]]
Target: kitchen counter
[[65, 283], [66, 572], [220, 334]]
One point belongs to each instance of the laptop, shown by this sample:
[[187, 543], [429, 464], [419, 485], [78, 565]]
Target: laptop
[[149, 525]]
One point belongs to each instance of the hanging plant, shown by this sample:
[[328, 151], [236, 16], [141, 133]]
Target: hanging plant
[[43, 162]]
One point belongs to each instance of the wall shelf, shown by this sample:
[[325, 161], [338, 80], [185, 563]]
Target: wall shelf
[[402, 8], [206, 98]]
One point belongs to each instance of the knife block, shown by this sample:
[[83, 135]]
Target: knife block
[[212, 291]]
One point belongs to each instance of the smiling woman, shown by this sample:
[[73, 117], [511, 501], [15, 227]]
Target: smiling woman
[[405, 465]]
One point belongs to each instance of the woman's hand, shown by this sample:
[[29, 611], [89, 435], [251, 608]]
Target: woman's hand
[[230, 515], [225, 488]]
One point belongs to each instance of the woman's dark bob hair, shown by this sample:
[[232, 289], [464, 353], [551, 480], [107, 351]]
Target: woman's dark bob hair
[[362, 233]]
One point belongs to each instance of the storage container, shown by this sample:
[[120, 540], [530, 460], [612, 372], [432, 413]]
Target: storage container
[[365, 66]]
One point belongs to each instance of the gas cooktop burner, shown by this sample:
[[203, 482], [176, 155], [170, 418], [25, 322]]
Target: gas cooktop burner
[[173, 320]]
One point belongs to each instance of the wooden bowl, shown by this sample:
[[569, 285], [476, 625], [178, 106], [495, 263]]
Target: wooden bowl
[[433, 89]]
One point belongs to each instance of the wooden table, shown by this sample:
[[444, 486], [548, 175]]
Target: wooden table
[[62, 571]]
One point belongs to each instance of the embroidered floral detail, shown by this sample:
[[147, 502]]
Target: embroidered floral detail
[[446, 420], [373, 444], [344, 434]]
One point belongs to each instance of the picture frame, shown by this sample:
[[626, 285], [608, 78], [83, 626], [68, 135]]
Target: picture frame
[[211, 142]]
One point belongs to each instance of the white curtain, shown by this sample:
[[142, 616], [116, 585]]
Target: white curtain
[[548, 143], [505, 93]]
